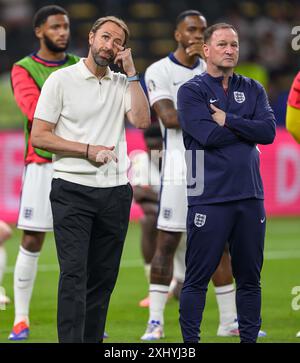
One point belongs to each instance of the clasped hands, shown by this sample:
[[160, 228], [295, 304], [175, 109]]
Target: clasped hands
[[102, 154]]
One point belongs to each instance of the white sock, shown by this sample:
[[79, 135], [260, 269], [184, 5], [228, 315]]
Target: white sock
[[147, 268], [24, 277], [158, 299], [2, 262], [226, 302]]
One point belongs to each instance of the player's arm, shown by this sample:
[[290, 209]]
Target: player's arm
[[144, 194], [25, 90], [262, 128], [293, 122], [167, 113], [196, 120], [139, 113], [46, 115], [43, 137], [160, 95]]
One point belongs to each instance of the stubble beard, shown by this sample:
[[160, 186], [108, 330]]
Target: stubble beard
[[101, 62], [53, 47]]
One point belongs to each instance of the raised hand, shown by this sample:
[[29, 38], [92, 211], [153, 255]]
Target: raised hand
[[124, 59], [195, 48]]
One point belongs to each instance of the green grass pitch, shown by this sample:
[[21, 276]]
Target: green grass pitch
[[126, 321]]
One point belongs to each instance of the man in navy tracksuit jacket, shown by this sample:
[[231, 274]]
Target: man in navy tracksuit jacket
[[224, 116]]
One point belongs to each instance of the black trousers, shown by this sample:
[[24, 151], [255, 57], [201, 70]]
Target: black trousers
[[90, 226]]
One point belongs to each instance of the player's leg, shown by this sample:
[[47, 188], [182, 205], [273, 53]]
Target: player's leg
[[73, 220], [179, 268], [106, 246], [148, 245], [171, 223], [25, 273], [5, 234], [225, 295], [246, 249], [208, 229], [35, 219]]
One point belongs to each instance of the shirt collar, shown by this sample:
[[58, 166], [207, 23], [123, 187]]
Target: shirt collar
[[218, 79], [176, 61], [88, 74]]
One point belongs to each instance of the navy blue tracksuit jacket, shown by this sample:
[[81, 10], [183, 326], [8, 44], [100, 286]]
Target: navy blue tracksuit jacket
[[229, 205], [231, 158]]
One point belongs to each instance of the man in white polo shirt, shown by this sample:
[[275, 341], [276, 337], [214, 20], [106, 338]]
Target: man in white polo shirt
[[80, 118]]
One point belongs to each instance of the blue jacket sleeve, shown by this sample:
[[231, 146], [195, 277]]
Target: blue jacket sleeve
[[262, 128], [195, 119]]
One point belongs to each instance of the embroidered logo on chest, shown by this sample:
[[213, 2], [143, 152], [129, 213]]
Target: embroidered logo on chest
[[239, 97]]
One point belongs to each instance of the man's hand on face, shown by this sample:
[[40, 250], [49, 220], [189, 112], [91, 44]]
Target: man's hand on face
[[218, 116], [124, 60], [195, 48]]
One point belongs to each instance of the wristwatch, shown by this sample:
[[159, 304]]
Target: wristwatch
[[136, 77]]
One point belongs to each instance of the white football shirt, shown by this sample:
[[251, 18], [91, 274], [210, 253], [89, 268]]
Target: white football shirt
[[163, 79]]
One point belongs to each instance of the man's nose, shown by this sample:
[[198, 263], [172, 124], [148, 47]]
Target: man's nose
[[229, 49], [198, 36], [63, 32]]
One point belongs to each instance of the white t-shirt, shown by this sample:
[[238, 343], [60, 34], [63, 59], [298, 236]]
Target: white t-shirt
[[163, 79], [87, 111]]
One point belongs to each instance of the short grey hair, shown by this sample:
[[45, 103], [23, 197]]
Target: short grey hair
[[99, 22], [210, 30]]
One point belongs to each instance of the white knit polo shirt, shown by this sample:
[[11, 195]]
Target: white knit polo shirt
[[87, 111]]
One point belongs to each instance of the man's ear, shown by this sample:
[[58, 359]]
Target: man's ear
[[177, 36], [205, 50], [91, 38], [38, 32]]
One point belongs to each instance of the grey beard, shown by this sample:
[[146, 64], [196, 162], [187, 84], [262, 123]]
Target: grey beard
[[101, 61]]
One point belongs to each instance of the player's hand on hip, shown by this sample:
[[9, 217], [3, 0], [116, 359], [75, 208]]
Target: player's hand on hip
[[102, 154], [218, 116], [124, 59]]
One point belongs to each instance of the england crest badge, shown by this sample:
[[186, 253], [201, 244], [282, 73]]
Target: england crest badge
[[199, 220], [239, 97]]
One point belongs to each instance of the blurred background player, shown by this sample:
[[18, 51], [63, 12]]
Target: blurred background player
[[293, 116], [163, 80], [5, 234], [145, 180], [52, 28]]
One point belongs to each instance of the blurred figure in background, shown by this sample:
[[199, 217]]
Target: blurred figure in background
[[293, 116], [5, 234], [52, 28], [145, 179], [293, 109]]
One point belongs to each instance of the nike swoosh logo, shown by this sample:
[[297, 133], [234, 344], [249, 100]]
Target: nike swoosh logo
[[213, 100], [177, 83], [262, 220]]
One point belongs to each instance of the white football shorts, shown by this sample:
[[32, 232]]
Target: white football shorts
[[172, 208], [35, 210]]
